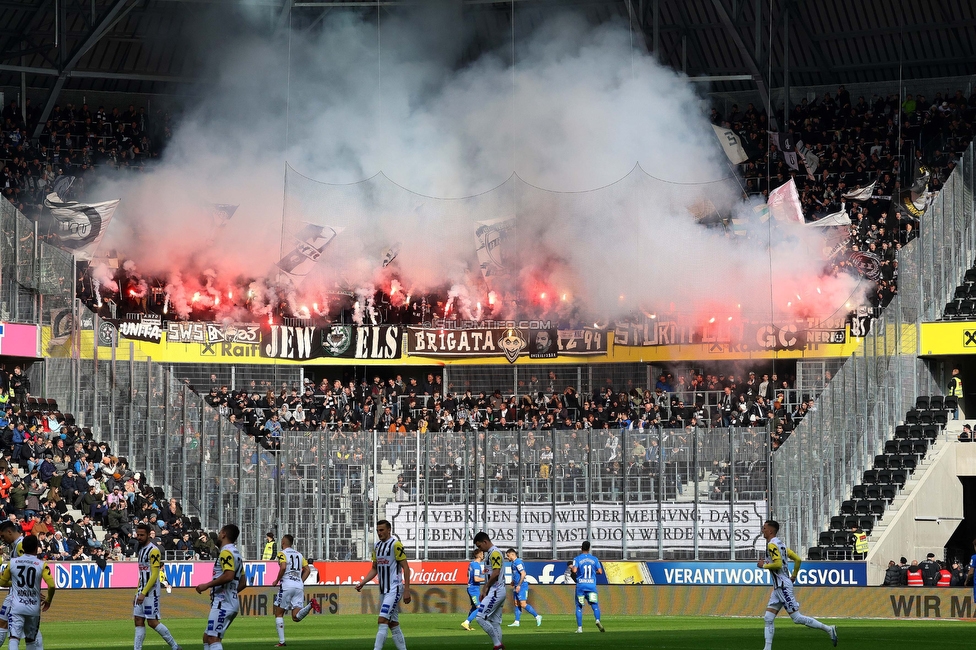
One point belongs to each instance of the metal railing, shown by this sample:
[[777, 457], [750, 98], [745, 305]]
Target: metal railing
[[813, 472]]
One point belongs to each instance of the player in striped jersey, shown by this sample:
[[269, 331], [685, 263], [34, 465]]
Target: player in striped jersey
[[227, 583], [23, 574], [776, 556], [13, 537], [492, 590], [147, 598], [292, 572], [390, 566]]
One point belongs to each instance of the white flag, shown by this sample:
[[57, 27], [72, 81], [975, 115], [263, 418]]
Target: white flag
[[731, 144], [81, 226], [861, 193], [840, 218], [310, 242], [784, 203]]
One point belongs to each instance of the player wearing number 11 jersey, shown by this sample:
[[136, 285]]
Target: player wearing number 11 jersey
[[292, 572], [585, 569], [24, 575]]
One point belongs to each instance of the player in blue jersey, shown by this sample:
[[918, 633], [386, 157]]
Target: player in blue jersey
[[476, 576], [520, 589], [585, 568]]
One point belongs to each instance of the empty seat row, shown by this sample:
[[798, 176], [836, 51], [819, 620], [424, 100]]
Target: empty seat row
[[875, 507], [917, 448], [846, 522], [886, 477], [928, 432], [939, 417], [874, 492]]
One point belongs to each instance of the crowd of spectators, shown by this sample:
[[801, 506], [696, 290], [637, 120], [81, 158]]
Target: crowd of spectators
[[51, 468], [76, 140], [927, 573], [848, 143]]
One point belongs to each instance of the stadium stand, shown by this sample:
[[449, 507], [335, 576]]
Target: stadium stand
[[903, 455], [74, 493]]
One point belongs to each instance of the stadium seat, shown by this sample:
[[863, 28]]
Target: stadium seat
[[826, 538], [837, 522], [815, 554], [898, 476], [872, 492], [841, 539], [951, 310], [903, 431], [866, 524], [871, 476], [951, 403], [930, 433], [941, 417], [849, 507], [884, 476], [908, 462], [881, 461], [970, 276], [892, 446], [850, 520], [920, 447], [967, 307], [962, 291], [862, 508], [902, 447], [877, 507], [888, 492], [925, 417], [859, 492], [911, 417], [937, 402], [922, 403]]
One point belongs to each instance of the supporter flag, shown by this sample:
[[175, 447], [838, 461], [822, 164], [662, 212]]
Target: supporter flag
[[80, 226], [732, 144], [810, 159], [784, 203], [221, 214], [784, 142], [840, 218], [496, 247], [391, 254], [861, 193], [310, 242]]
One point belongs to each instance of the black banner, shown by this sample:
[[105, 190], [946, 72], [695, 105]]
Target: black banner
[[336, 341]]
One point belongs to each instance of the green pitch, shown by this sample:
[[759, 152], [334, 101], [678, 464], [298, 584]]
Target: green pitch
[[439, 631]]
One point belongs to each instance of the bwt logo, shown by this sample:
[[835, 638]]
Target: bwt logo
[[82, 576], [178, 575], [255, 574]]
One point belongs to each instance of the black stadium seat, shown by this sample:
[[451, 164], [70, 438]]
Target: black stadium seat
[[815, 554], [837, 522], [937, 402], [871, 476], [859, 492], [951, 310], [922, 403], [826, 538]]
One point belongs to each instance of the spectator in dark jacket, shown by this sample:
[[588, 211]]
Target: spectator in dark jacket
[[930, 570], [893, 575]]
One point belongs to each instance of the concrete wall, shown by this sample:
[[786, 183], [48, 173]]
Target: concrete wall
[[929, 517]]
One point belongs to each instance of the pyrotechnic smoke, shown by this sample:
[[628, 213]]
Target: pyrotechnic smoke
[[584, 109]]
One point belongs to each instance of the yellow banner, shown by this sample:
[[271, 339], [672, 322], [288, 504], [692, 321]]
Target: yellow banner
[[250, 353], [948, 339]]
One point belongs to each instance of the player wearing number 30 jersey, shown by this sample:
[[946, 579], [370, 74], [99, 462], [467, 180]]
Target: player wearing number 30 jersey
[[12, 536], [23, 575], [776, 563], [585, 568]]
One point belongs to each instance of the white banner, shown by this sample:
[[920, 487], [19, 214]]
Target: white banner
[[861, 193], [451, 526]]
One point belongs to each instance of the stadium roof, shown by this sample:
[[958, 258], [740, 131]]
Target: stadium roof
[[159, 46]]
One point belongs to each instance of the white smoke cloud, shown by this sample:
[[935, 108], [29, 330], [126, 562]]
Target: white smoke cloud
[[585, 109]]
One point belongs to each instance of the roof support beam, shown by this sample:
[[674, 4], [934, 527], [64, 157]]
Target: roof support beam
[[750, 62], [104, 24], [95, 74]]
